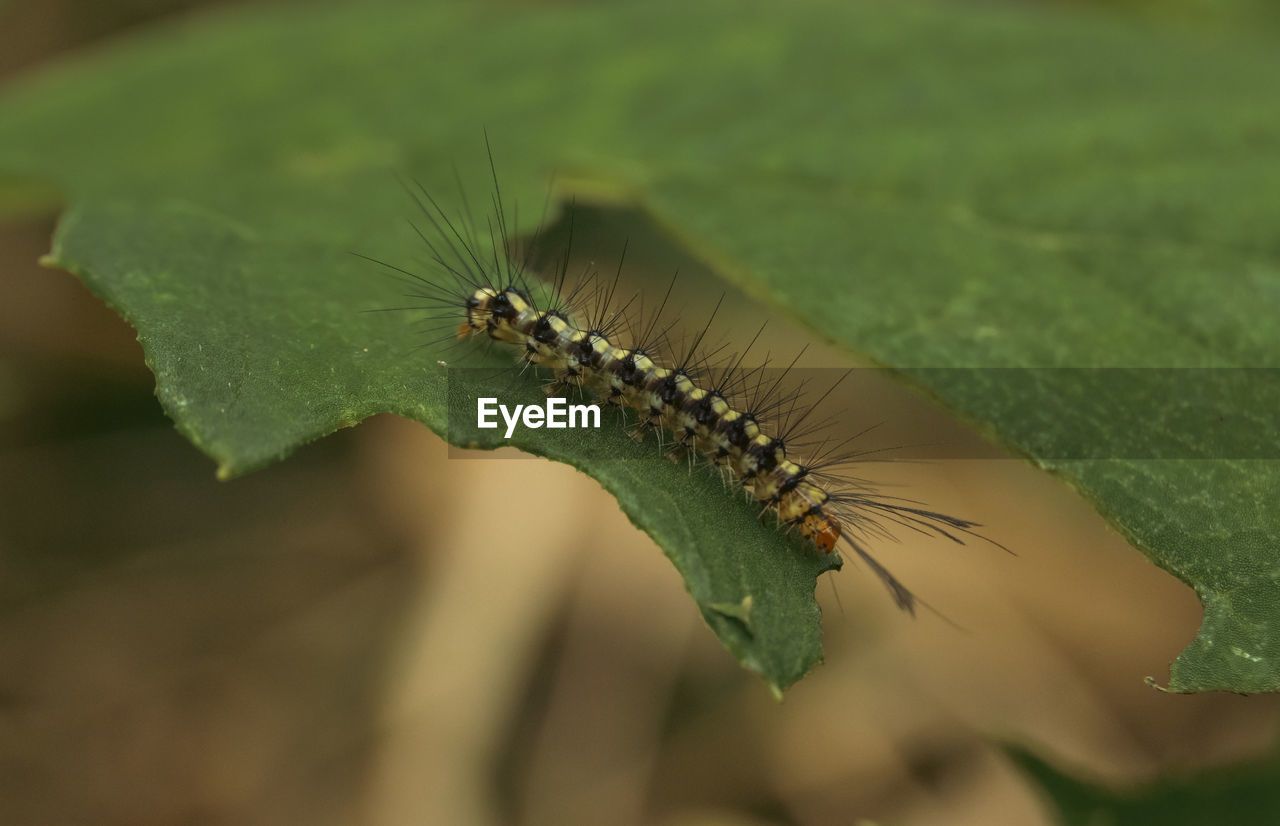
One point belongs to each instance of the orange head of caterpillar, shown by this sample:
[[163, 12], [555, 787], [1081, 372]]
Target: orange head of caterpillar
[[801, 503], [823, 529]]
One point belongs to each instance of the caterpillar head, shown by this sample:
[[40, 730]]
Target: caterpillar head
[[802, 503], [823, 529]]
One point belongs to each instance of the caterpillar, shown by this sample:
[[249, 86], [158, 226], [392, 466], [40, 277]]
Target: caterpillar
[[748, 427]]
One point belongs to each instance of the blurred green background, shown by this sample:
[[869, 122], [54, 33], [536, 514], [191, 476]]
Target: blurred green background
[[320, 642]]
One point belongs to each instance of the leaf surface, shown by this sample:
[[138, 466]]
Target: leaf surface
[[1244, 793]]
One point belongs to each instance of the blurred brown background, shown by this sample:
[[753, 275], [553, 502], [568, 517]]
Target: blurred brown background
[[348, 638]]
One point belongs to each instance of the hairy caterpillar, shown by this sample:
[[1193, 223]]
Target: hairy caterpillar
[[695, 400]]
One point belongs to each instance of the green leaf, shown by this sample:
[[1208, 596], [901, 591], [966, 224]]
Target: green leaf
[[933, 186], [1245, 793]]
